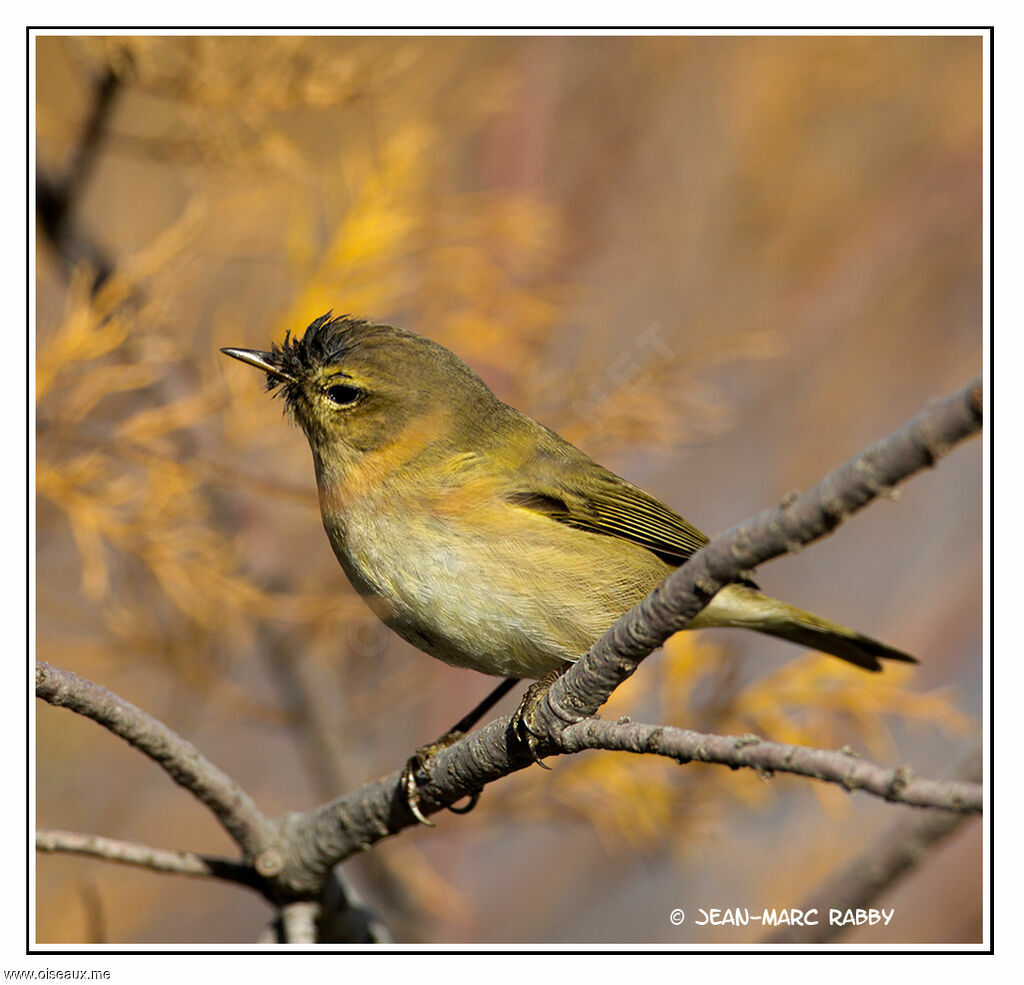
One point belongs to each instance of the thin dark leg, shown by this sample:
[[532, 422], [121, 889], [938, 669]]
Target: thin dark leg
[[420, 759], [465, 723]]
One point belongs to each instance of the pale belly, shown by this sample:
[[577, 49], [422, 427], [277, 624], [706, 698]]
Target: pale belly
[[508, 606]]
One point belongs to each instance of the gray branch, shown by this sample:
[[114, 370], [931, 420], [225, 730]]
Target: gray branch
[[186, 765], [295, 854], [841, 767], [351, 823], [146, 857], [889, 857]]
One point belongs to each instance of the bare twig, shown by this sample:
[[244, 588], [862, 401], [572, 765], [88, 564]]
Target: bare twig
[[896, 784], [297, 853], [146, 857], [364, 816], [887, 859], [186, 765]]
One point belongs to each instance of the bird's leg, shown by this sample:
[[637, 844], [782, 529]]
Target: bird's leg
[[520, 724], [419, 761]]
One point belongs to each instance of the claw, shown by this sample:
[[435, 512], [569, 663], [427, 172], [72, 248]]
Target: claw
[[407, 783], [528, 739], [531, 744], [419, 762], [520, 723]]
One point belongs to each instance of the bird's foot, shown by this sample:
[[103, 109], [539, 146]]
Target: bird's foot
[[419, 764], [520, 724]]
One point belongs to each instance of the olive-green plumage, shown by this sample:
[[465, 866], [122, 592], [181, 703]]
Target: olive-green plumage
[[474, 532]]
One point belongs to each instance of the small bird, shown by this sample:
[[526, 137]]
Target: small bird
[[479, 535], [475, 533]]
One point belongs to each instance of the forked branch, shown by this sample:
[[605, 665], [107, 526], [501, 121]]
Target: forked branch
[[292, 857]]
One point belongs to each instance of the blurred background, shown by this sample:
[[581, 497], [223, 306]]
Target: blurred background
[[720, 265]]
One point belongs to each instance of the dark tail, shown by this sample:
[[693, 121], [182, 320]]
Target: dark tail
[[743, 606], [818, 634]]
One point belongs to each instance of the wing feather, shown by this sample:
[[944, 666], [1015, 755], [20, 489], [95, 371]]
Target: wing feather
[[616, 508]]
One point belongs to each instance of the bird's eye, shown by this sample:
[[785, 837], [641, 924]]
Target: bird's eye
[[341, 395]]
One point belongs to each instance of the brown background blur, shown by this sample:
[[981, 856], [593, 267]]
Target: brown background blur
[[721, 266]]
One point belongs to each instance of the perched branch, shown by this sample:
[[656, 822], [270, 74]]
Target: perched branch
[[295, 854], [887, 859], [351, 823], [233, 807], [143, 856], [333, 832], [783, 529]]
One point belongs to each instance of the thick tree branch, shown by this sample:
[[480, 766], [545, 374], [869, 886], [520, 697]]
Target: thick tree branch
[[349, 824], [353, 822], [258, 837], [233, 807], [146, 857], [295, 854]]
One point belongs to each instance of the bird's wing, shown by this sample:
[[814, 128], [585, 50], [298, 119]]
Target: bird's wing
[[606, 504]]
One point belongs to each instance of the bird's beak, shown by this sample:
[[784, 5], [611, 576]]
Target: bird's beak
[[261, 360]]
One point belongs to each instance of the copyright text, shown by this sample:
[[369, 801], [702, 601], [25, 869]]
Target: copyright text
[[741, 916]]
